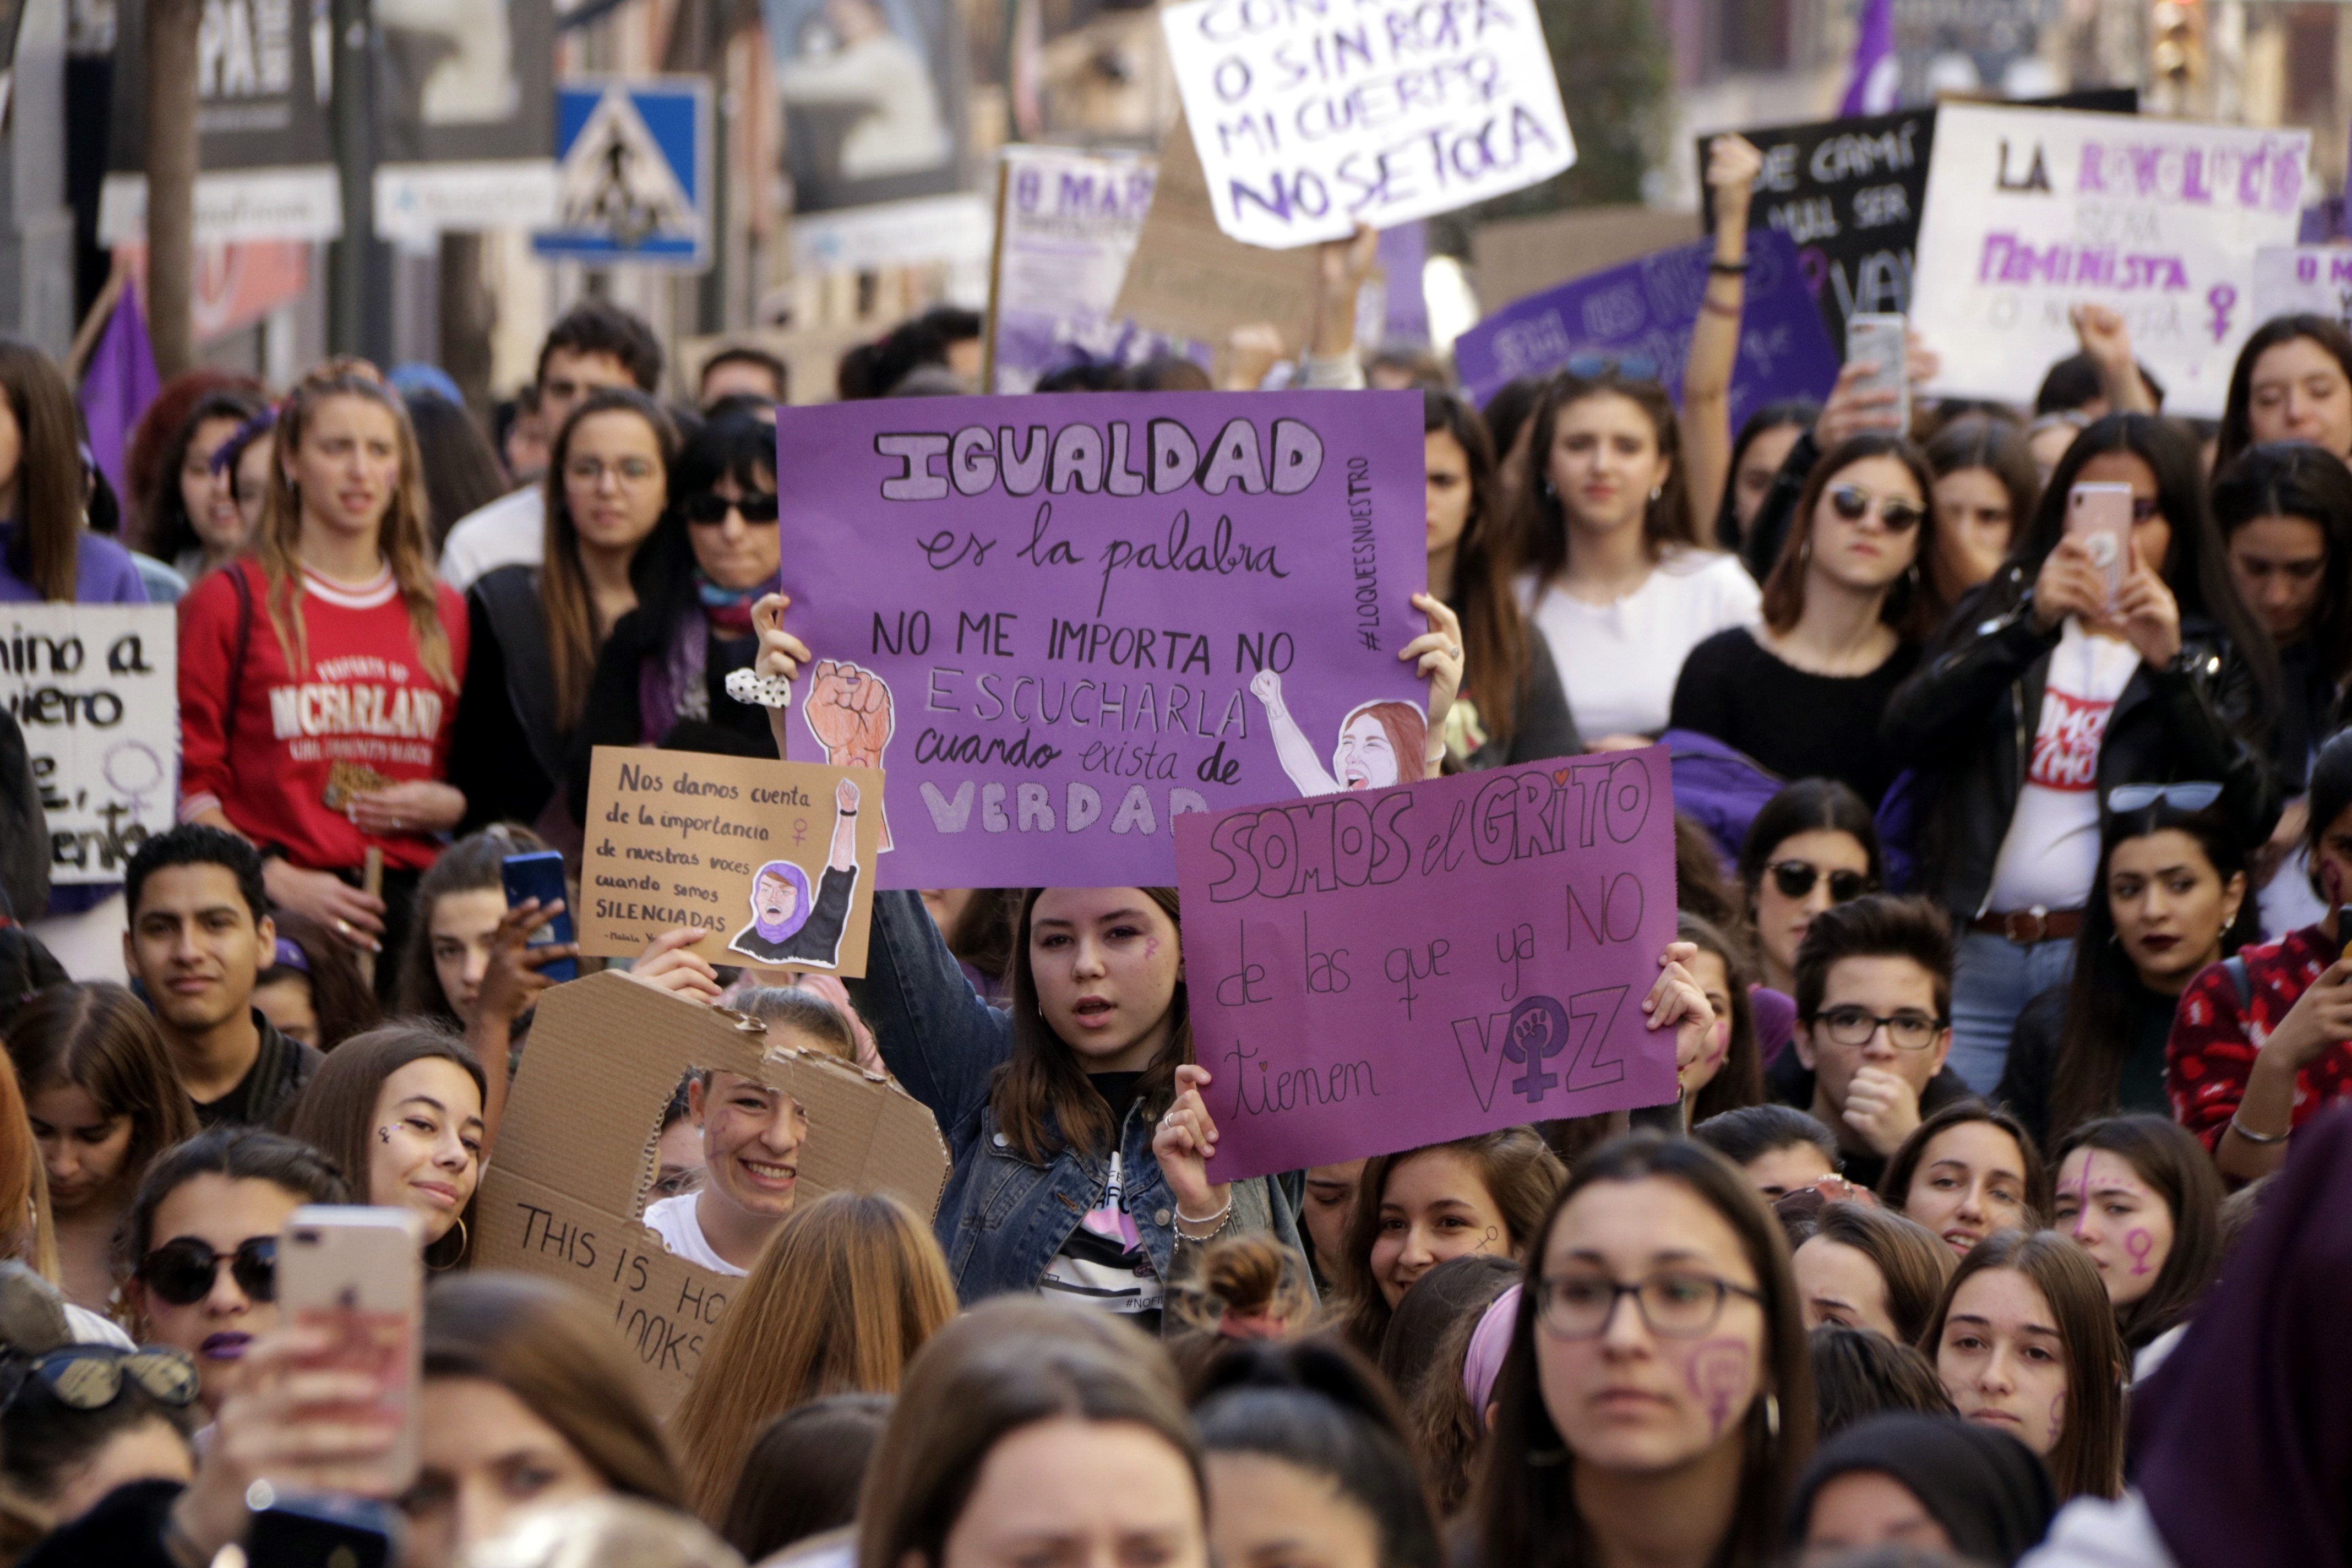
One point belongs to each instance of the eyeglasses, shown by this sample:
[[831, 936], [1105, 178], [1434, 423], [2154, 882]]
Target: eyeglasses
[[1631, 367], [1795, 879], [182, 1271], [2194, 797], [1909, 1029], [91, 1377], [712, 508], [1675, 1303], [588, 472], [1853, 503]]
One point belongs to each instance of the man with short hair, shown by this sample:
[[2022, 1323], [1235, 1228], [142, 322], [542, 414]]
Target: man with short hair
[[752, 1140], [1873, 1027], [200, 936], [739, 370], [595, 345]]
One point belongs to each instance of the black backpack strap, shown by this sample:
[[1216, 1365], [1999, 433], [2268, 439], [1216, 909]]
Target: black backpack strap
[[2242, 980]]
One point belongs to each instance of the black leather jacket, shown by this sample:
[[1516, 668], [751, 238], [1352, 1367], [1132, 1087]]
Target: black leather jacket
[[1967, 720]]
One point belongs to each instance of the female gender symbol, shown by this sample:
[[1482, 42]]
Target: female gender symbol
[[2141, 1245]]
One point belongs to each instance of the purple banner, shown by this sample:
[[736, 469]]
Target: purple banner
[[1416, 964], [1057, 624], [1645, 309]]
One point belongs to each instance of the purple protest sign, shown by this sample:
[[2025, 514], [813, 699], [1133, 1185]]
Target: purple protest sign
[[1057, 624], [1645, 309], [1371, 972]]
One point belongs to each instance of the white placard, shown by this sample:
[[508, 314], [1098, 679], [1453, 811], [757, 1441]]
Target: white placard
[[1312, 117], [2303, 279], [2031, 212], [96, 689]]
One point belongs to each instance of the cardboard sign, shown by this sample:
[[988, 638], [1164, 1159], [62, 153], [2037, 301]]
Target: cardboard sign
[[1310, 122], [774, 860], [96, 689], [2303, 279], [1066, 222], [1511, 259], [1059, 624], [1380, 971], [1646, 309], [1186, 278], [2031, 212], [576, 1154]]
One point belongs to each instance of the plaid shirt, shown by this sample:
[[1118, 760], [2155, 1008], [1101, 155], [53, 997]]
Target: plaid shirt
[[2215, 1037]]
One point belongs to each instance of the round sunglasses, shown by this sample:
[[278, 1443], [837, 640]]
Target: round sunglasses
[[182, 1271], [1853, 503], [1795, 879], [91, 1377]]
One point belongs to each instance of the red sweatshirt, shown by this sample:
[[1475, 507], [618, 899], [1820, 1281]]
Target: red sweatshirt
[[2211, 1057], [262, 752]]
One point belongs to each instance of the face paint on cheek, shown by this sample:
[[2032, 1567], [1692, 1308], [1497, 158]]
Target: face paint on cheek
[[384, 1134], [1719, 1375], [2141, 1245]]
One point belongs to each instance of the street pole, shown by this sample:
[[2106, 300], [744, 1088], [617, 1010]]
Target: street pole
[[353, 22], [170, 89]]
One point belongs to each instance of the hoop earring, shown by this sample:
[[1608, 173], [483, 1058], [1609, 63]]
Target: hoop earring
[[1772, 1417], [463, 1240]]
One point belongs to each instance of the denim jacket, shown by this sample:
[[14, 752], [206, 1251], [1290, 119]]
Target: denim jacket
[[1003, 1217]]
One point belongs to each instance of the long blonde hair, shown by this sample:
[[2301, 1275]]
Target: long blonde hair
[[402, 536], [844, 1294]]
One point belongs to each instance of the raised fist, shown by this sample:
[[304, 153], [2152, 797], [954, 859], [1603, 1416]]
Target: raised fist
[[849, 710]]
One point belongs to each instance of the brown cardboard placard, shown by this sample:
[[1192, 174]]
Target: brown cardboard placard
[[1189, 279], [681, 838], [1514, 258], [575, 1154]]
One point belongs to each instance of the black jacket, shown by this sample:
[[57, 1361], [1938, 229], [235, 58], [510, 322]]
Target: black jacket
[[506, 754], [1967, 719]]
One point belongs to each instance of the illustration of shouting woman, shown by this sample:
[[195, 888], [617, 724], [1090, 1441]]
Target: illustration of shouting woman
[[787, 925], [1379, 743]]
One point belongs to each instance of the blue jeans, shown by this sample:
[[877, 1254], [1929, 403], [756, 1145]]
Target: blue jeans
[[1992, 980]]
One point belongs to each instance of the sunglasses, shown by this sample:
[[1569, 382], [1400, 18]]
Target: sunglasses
[[1631, 367], [182, 1271], [91, 1377], [709, 508], [2179, 796], [1853, 503], [1795, 879]]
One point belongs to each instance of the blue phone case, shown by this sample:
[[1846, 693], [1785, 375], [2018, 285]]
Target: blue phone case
[[540, 876]]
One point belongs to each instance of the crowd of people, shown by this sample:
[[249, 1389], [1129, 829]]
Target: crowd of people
[[2000, 1210]]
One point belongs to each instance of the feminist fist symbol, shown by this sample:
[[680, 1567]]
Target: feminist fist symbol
[[849, 711], [1539, 1028]]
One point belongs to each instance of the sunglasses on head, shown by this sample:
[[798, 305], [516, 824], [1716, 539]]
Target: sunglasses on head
[[1631, 367], [91, 1377], [1795, 879], [712, 508], [182, 1271], [1853, 503], [2195, 796]]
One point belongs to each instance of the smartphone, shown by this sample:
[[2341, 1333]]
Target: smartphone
[[2101, 516], [2344, 929], [540, 876], [1881, 342], [326, 1528], [359, 1273]]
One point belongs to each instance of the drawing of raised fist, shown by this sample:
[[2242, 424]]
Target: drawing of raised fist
[[850, 712]]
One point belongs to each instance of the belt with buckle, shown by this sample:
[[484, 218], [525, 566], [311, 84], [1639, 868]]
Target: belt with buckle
[[2026, 927]]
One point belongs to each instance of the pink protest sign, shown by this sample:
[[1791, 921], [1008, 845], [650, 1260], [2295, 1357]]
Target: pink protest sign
[[1372, 971], [1059, 624]]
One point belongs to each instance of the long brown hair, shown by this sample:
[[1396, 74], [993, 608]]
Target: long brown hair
[[102, 1039], [844, 1294], [2088, 1457], [1519, 1173], [338, 1108], [2168, 1158], [47, 551], [404, 536], [26, 1232], [1495, 660], [472, 865], [1042, 1096], [1526, 1494], [554, 1350], [1739, 1082], [1914, 606], [573, 639], [1912, 1260], [1005, 1365], [1540, 529]]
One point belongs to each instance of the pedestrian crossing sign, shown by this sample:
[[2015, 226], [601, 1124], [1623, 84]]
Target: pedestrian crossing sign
[[632, 173]]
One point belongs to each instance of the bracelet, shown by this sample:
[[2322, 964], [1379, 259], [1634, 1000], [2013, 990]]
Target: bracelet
[[759, 691], [1715, 307], [2262, 1139], [848, 810], [1224, 1213], [1728, 269]]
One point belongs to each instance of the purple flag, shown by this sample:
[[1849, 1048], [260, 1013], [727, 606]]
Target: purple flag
[[1876, 71], [117, 384]]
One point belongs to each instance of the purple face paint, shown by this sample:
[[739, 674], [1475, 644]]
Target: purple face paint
[[2141, 1245], [1718, 1376]]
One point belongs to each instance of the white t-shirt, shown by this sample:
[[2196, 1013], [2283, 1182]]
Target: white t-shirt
[[1105, 1263], [2052, 849], [1620, 660], [674, 1220], [509, 531]]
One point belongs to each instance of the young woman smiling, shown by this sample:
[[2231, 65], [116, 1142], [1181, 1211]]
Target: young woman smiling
[[402, 1108], [1845, 610], [2293, 381], [103, 1102], [2142, 1198], [2026, 1343], [1966, 1171]]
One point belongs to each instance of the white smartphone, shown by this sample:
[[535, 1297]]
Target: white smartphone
[[2101, 516], [359, 1272], [1881, 342]]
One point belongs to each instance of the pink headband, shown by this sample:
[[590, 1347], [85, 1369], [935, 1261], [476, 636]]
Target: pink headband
[[1484, 1361]]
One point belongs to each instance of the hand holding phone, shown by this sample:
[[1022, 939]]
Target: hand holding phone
[[540, 876], [1881, 342], [353, 1277], [2100, 516]]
